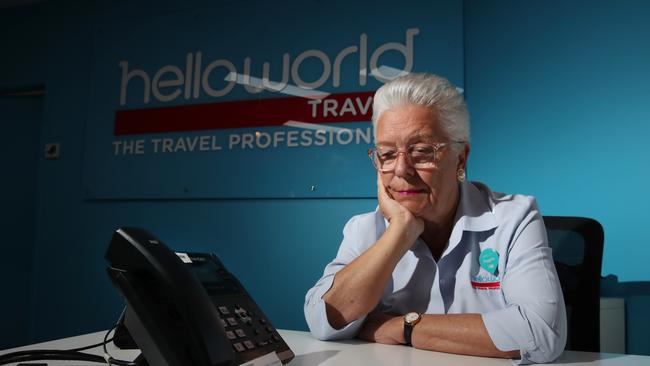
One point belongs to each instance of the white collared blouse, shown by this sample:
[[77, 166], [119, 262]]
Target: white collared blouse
[[497, 263]]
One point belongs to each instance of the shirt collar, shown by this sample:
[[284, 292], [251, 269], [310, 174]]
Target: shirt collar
[[473, 212]]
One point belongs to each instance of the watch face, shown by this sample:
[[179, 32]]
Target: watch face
[[411, 317]]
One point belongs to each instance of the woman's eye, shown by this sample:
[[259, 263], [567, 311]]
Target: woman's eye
[[421, 150]]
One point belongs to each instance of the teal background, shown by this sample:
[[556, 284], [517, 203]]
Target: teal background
[[558, 95]]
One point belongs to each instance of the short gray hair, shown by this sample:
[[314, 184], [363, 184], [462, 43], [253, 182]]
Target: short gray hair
[[430, 91]]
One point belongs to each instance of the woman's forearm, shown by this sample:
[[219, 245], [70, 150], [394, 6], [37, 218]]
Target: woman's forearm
[[357, 288]]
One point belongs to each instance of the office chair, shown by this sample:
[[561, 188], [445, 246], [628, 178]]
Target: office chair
[[577, 244]]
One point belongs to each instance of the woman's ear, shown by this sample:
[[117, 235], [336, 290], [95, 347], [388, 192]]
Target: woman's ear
[[462, 157]]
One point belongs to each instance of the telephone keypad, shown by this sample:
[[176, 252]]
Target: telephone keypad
[[251, 332], [248, 330]]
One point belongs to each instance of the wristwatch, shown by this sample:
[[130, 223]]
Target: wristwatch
[[410, 320]]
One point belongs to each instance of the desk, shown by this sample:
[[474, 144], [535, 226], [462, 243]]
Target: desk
[[311, 352]]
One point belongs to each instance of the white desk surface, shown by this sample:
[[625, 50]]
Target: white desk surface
[[312, 352]]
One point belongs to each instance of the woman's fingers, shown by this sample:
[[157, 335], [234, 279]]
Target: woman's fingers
[[388, 206]]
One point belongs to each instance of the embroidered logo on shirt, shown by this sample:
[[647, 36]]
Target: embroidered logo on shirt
[[489, 280], [489, 260]]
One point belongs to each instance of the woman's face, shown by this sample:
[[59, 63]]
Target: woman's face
[[430, 193]]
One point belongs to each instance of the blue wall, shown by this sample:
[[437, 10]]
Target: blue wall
[[18, 159], [556, 91], [23, 32], [21, 119]]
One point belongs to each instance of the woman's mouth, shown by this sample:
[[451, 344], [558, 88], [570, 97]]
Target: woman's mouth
[[409, 192]]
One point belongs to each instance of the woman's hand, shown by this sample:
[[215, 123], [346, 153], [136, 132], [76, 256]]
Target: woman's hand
[[396, 213], [383, 328]]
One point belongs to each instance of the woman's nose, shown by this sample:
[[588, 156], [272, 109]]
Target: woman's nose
[[403, 166]]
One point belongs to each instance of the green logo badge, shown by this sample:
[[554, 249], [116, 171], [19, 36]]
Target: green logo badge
[[489, 260]]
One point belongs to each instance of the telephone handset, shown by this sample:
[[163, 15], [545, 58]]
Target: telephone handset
[[186, 308]]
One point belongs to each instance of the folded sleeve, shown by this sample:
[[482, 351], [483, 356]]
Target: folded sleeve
[[534, 320], [355, 241]]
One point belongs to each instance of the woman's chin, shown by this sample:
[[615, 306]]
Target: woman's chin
[[414, 206]]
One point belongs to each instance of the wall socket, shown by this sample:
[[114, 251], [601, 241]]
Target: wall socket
[[52, 151]]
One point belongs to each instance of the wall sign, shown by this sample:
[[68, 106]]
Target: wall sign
[[200, 104]]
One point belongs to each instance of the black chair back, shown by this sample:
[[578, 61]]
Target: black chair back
[[577, 244]]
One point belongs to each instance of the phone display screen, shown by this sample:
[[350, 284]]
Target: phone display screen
[[214, 277]]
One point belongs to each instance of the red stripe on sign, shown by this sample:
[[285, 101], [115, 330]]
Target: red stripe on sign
[[486, 285], [345, 107]]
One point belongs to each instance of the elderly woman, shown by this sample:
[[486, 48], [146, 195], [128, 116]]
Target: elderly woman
[[442, 264]]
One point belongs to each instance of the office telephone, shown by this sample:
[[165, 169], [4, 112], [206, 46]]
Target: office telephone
[[187, 309]]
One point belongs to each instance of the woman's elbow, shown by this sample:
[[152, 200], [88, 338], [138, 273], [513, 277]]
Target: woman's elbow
[[549, 347]]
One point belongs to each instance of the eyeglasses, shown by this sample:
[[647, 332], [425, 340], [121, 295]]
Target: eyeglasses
[[419, 156]]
